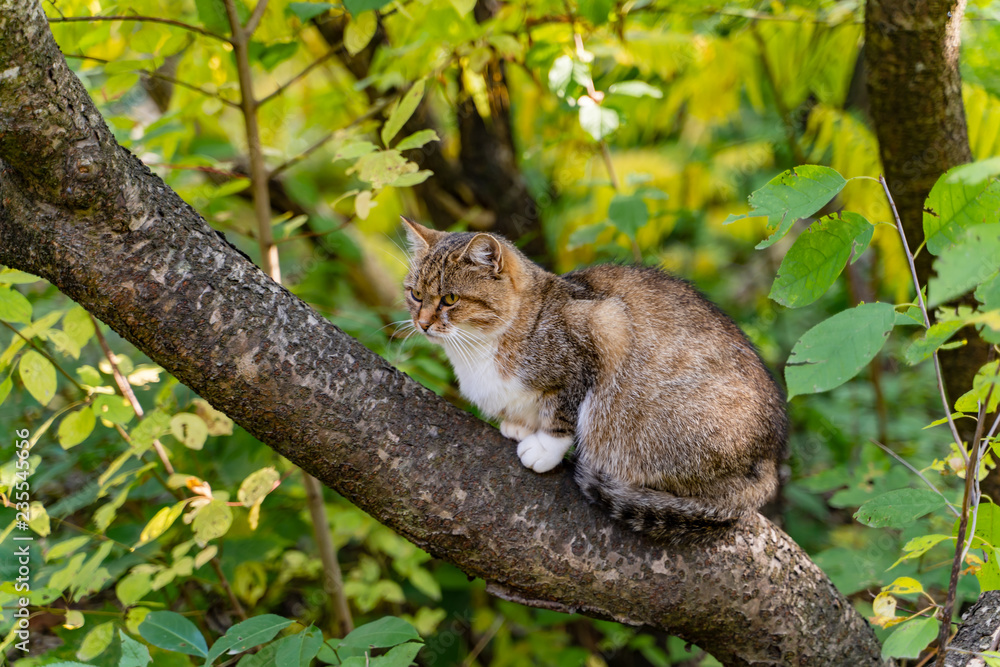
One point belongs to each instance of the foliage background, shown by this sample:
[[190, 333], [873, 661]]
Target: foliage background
[[700, 107]]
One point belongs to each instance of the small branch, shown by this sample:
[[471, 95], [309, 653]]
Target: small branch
[[298, 77], [126, 389], [237, 607], [483, 641], [333, 578], [254, 20], [923, 310], [917, 473], [42, 351], [163, 77], [141, 19]]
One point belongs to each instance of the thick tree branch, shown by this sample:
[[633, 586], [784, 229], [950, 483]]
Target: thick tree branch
[[144, 262]]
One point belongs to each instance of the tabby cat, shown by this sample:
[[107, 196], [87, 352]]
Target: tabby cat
[[676, 421]]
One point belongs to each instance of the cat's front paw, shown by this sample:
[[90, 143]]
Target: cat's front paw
[[514, 431], [542, 452]]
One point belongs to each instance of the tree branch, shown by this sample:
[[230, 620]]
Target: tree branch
[[450, 483]]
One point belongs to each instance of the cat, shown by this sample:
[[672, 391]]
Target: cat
[[677, 422]]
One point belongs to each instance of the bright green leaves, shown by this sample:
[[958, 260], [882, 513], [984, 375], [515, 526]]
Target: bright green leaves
[[39, 376], [14, 307], [189, 429], [306, 11], [628, 213], [417, 139], [954, 206], [401, 111], [962, 266], [911, 638], [899, 508], [796, 193], [818, 256], [212, 521], [76, 426], [169, 630], [833, 351], [244, 636], [359, 32]]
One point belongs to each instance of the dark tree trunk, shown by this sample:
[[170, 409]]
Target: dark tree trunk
[[911, 52], [82, 212]]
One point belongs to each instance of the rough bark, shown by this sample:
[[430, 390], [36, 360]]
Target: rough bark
[[911, 52], [85, 214], [980, 632]]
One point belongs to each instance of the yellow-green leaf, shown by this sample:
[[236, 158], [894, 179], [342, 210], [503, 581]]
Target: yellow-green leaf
[[189, 429], [212, 521], [359, 32], [39, 376], [76, 426], [160, 522]]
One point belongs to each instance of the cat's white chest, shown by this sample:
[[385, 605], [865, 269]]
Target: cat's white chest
[[482, 383]]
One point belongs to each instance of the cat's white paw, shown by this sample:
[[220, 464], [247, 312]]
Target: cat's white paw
[[542, 452], [514, 431]]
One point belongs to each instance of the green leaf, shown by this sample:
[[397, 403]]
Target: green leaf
[[359, 33], [308, 10], [964, 265], [66, 547], [974, 172], [918, 546], [133, 586], [413, 178], [817, 257], [898, 508], [635, 89], [400, 656], [386, 631], [353, 150], [212, 521], [161, 521], [833, 351], [189, 429], [14, 306], [417, 139], [134, 654], [586, 235], [382, 168], [169, 630], [251, 632], [953, 206], [598, 121], [299, 649], [596, 11], [152, 426], [796, 193], [401, 111], [910, 638], [97, 641], [271, 55], [628, 214], [76, 426], [988, 529], [39, 376], [257, 485], [356, 7], [15, 277], [5, 388], [114, 409], [212, 14], [923, 347]]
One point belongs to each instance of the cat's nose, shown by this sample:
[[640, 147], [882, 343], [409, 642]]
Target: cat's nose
[[424, 324]]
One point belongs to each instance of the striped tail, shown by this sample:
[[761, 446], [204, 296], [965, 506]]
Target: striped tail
[[658, 513]]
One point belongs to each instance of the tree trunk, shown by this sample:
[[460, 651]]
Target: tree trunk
[[915, 95], [85, 214]]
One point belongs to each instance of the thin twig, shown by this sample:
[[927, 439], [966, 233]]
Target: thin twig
[[237, 607], [141, 19], [295, 79], [254, 20], [917, 473], [484, 640], [927, 319], [333, 578], [152, 74], [126, 389], [42, 351]]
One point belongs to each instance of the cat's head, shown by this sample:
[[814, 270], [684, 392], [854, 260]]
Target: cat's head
[[468, 281]]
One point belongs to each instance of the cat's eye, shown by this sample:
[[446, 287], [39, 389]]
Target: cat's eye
[[449, 299], [417, 295]]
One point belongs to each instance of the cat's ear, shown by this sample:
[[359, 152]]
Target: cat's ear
[[421, 238], [486, 251]]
